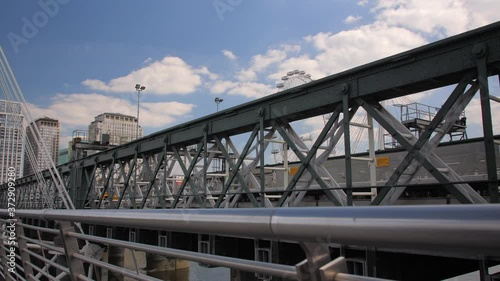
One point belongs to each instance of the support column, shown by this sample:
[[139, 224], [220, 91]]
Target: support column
[[347, 145], [70, 247], [262, 158], [483, 270], [481, 52]]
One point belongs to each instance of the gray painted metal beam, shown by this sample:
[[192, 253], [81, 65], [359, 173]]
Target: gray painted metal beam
[[481, 53]]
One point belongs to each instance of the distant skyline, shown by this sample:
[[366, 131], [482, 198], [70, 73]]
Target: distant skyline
[[75, 60]]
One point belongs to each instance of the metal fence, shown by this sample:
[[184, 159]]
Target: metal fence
[[63, 250]]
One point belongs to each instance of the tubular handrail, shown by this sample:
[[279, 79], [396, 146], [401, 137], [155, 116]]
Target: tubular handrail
[[468, 229]]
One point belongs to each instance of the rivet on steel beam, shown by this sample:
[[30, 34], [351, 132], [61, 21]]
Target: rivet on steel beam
[[344, 88], [479, 50], [260, 112]]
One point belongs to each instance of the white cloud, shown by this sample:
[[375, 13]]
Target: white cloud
[[439, 18], [352, 19], [246, 75], [76, 111], [148, 60], [304, 62], [204, 71], [340, 51], [246, 80], [230, 55], [247, 89], [362, 3], [443, 18], [171, 75], [272, 56], [220, 87], [252, 90]]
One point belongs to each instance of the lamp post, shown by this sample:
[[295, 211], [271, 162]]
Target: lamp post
[[217, 101], [139, 89]]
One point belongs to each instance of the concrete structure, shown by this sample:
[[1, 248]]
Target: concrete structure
[[11, 142], [50, 130], [119, 127]]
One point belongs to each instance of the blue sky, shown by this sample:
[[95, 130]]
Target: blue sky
[[81, 58]]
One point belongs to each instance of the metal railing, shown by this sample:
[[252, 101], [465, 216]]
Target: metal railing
[[473, 230]]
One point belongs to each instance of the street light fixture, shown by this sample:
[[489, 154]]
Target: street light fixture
[[139, 89], [217, 101]]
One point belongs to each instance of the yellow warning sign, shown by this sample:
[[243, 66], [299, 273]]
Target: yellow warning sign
[[383, 161], [293, 170]]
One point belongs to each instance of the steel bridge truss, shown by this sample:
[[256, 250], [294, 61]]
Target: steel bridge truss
[[200, 164]]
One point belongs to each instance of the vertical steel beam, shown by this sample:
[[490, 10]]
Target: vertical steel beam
[[246, 170], [89, 186], [481, 52], [347, 148], [304, 164], [371, 154], [187, 172], [106, 185], [126, 184], [235, 169], [483, 270], [262, 158], [71, 247], [205, 164], [314, 173], [153, 178]]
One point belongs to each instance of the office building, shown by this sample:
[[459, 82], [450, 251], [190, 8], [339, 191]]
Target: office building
[[50, 130], [113, 129], [11, 140]]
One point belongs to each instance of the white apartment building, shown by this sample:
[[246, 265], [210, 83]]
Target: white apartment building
[[11, 140], [50, 131], [119, 127]]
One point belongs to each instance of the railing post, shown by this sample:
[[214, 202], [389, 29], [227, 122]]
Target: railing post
[[70, 247], [317, 255], [3, 252], [28, 270]]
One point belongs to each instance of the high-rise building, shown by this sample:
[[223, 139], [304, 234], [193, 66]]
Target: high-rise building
[[114, 129], [50, 133], [11, 140]]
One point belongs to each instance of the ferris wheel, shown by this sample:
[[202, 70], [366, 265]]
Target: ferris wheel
[[292, 79]]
